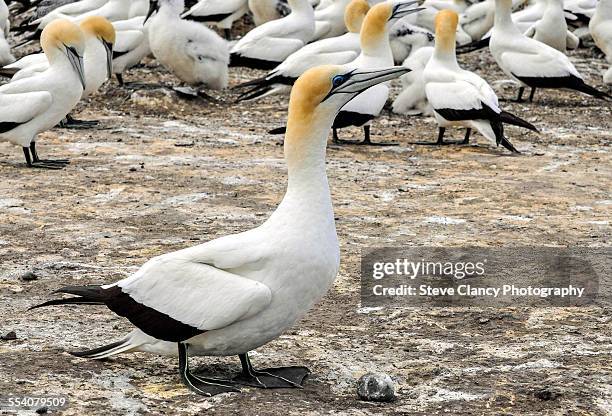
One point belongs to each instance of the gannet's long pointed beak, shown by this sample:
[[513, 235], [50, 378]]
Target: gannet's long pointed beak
[[109, 57], [153, 7], [357, 81], [76, 61], [405, 8]]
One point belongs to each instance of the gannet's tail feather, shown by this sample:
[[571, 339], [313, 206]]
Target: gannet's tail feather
[[123, 345], [510, 118]]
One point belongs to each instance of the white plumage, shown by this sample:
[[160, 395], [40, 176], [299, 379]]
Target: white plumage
[[551, 29], [413, 99], [113, 10], [268, 45], [601, 30], [406, 38], [221, 13], [329, 20], [131, 46], [194, 53]]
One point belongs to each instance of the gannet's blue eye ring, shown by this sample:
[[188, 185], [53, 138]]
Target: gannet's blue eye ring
[[338, 80]]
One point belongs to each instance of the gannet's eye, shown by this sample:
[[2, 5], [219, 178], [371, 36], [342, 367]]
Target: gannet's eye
[[338, 80]]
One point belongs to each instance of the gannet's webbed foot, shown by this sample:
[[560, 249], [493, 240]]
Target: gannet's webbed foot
[[519, 99], [34, 161], [367, 142], [203, 386], [72, 123], [271, 378], [440, 141], [192, 93]]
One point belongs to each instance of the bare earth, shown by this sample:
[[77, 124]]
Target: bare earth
[[161, 173]]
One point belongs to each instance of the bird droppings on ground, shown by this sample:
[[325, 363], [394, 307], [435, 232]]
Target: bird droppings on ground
[[161, 173]]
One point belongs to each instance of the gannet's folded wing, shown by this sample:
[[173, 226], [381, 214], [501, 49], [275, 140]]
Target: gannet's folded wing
[[128, 40], [545, 63], [19, 108], [458, 95], [195, 294], [33, 59], [269, 48], [216, 7]]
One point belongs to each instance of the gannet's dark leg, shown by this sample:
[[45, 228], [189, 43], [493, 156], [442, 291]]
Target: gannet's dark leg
[[228, 34], [270, 378], [335, 137], [533, 91], [519, 99], [72, 123], [367, 142], [120, 79], [36, 162], [440, 141], [468, 133], [441, 132], [201, 385]]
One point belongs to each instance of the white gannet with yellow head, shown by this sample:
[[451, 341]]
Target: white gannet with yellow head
[[38, 103], [234, 294], [532, 63], [601, 30], [459, 97], [375, 53], [331, 51]]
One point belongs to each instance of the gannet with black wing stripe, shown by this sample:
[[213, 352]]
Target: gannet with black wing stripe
[[220, 13], [460, 97], [601, 30], [38, 103], [237, 293], [331, 51], [6, 57], [532, 63], [266, 46], [131, 46]]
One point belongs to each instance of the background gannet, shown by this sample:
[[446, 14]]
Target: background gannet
[[221, 13], [413, 99], [337, 51], [601, 30], [477, 19], [35, 104], [234, 294], [406, 38], [460, 97], [131, 46], [194, 53], [530, 62], [5, 50], [329, 19], [551, 29], [268, 45], [267, 10]]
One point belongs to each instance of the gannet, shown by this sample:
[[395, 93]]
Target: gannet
[[337, 51], [268, 45], [35, 104], [582, 9], [190, 50], [113, 10], [267, 10], [601, 30], [221, 13], [329, 20], [5, 50], [551, 29], [532, 63], [413, 99], [460, 97], [477, 19], [406, 38], [234, 294], [131, 46], [375, 53]]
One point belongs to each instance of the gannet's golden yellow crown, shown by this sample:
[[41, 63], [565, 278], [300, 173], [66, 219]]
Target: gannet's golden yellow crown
[[99, 27], [308, 92], [61, 32], [374, 24], [446, 29], [354, 14]]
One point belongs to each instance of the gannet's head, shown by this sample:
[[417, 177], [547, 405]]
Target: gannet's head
[[354, 14], [62, 37], [380, 18], [318, 95], [154, 5], [446, 30], [102, 29]]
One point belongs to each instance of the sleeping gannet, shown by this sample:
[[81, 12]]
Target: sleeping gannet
[[32, 105], [601, 30], [460, 97], [413, 99], [329, 20], [221, 13], [234, 294], [190, 50], [406, 38], [131, 46], [375, 53], [532, 63], [266, 46], [5, 50], [551, 29], [336, 51]]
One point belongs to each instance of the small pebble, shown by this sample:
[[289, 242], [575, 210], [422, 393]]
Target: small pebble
[[28, 277], [9, 337], [373, 387], [547, 394], [42, 410]]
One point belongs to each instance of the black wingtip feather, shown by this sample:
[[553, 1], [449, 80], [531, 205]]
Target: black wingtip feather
[[510, 118], [96, 351]]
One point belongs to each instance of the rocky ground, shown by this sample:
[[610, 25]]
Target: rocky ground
[[161, 173]]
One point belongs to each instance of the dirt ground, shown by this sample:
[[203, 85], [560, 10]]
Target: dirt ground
[[161, 173]]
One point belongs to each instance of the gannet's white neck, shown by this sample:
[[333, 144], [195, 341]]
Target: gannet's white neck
[[374, 37], [445, 40], [301, 7], [503, 17], [171, 8]]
